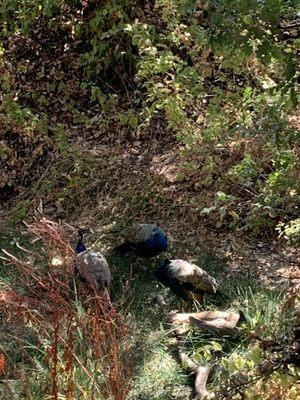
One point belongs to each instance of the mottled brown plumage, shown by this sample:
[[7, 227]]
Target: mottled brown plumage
[[138, 232], [186, 280], [92, 267]]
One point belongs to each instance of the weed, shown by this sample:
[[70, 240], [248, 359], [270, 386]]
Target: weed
[[80, 346]]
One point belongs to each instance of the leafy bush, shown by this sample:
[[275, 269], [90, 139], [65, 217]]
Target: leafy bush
[[291, 231], [216, 70], [222, 75]]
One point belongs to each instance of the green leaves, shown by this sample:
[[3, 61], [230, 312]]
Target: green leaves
[[61, 139], [220, 76], [206, 353], [290, 231]]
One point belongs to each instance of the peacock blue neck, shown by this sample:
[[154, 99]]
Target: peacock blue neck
[[160, 240], [80, 247], [154, 245]]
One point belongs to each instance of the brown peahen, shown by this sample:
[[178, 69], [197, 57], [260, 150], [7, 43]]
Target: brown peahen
[[186, 280]]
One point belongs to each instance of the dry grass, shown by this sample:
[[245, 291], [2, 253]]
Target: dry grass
[[79, 334]]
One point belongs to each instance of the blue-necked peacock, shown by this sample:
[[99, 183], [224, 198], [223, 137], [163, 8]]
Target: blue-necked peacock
[[145, 240], [186, 280], [91, 266]]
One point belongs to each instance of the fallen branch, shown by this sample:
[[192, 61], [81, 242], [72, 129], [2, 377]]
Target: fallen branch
[[201, 372], [219, 322], [185, 360], [202, 375]]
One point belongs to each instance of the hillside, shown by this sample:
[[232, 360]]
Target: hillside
[[180, 112]]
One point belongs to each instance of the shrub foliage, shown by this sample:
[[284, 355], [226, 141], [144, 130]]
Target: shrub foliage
[[222, 75]]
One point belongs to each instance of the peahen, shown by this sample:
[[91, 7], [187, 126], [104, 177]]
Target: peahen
[[145, 240], [91, 266], [186, 280]]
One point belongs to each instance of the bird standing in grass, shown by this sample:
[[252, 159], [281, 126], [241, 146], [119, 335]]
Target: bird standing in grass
[[145, 240], [91, 267], [186, 280]]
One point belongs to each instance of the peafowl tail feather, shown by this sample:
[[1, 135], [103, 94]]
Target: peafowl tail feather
[[123, 248]]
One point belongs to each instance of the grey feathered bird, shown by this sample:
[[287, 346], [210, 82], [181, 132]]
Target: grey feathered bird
[[186, 280], [92, 267]]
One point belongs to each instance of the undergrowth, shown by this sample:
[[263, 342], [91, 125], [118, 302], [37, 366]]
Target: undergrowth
[[60, 339], [215, 82], [255, 362]]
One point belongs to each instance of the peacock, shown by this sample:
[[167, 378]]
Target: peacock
[[91, 266], [186, 280], [145, 240]]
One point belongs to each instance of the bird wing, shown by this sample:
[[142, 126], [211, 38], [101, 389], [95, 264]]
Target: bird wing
[[94, 268], [138, 232], [187, 272]]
